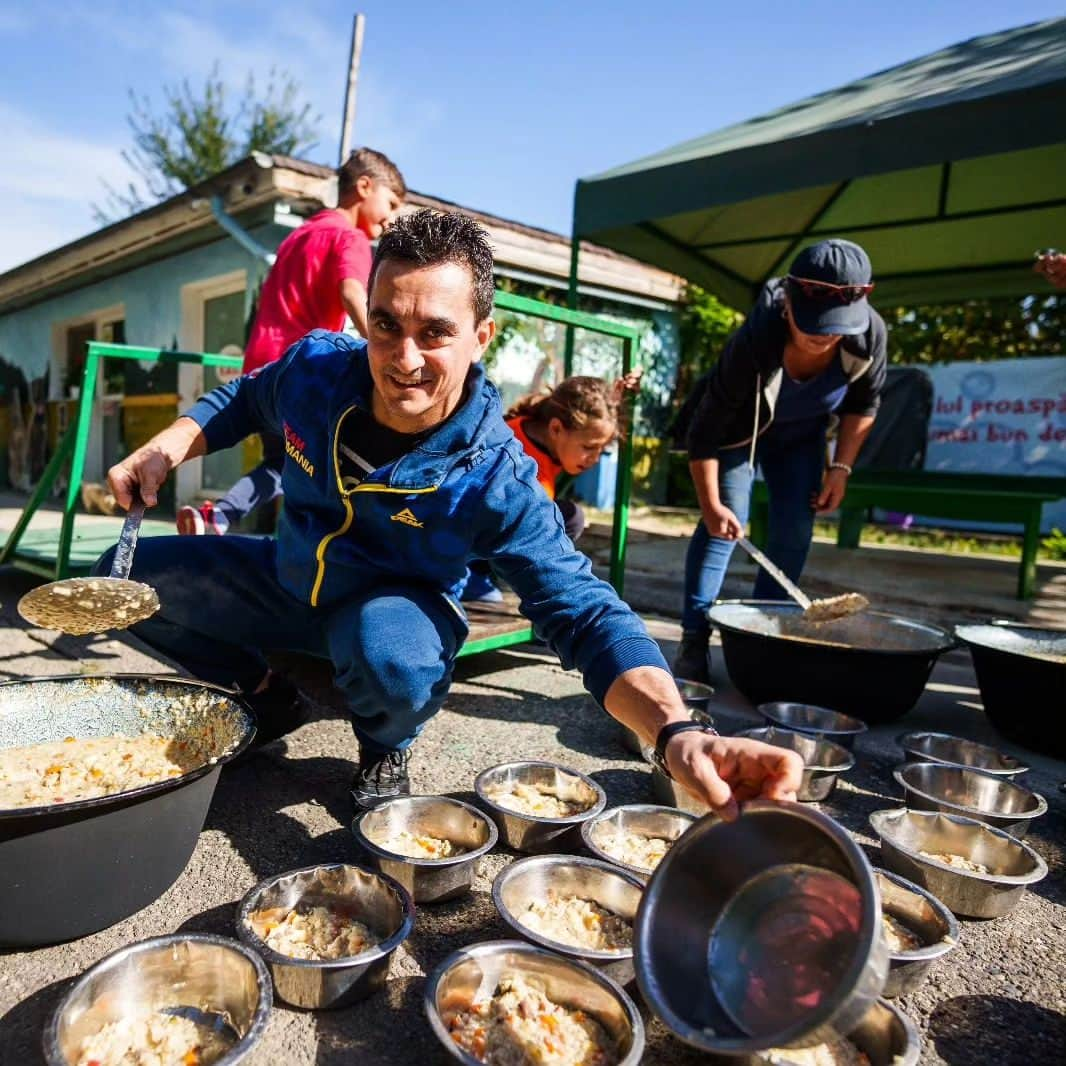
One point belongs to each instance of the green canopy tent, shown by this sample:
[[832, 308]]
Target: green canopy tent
[[950, 170]]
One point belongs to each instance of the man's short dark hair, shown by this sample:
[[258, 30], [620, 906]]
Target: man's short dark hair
[[427, 238], [373, 164]]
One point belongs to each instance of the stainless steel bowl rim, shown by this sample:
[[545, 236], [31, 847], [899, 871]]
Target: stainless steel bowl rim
[[974, 634], [900, 774], [557, 947], [906, 741], [141, 791], [880, 820], [491, 947], [236, 1053], [912, 1040], [570, 819], [927, 951], [855, 728], [386, 947], [847, 759], [452, 860], [637, 808]]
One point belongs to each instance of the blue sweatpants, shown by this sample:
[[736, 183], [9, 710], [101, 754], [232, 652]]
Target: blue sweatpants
[[222, 609]]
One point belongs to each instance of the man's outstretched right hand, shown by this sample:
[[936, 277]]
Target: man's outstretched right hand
[[144, 471]]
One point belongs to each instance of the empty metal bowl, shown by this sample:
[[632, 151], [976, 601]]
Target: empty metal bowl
[[473, 973], [886, 1036], [956, 751], [372, 898], [760, 933], [213, 981], [929, 786], [670, 793], [526, 881], [428, 880], [823, 760], [530, 832], [644, 819], [814, 721], [924, 915], [1012, 865], [695, 695]]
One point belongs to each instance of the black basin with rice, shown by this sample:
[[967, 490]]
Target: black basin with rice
[[71, 868], [872, 665], [1021, 672]]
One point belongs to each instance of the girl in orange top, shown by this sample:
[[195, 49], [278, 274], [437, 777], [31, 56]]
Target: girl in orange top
[[564, 431]]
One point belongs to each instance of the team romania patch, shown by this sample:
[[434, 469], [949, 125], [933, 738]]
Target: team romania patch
[[407, 518]]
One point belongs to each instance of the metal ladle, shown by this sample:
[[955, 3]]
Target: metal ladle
[[82, 605]]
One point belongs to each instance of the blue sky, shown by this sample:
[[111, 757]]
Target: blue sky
[[477, 103]]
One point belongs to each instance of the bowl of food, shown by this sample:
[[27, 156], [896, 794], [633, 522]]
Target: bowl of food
[[884, 1037], [974, 870], [1003, 804], [957, 751], [918, 929], [533, 803], [819, 722], [695, 695], [578, 907], [432, 845], [327, 933], [669, 793], [186, 997], [823, 761], [761, 933], [635, 836], [517, 1003]]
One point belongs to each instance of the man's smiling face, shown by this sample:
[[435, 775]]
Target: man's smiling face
[[424, 337]]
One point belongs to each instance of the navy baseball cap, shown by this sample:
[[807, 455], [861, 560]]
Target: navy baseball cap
[[833, 300]]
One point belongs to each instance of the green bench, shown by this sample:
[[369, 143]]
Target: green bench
[[970, 497]]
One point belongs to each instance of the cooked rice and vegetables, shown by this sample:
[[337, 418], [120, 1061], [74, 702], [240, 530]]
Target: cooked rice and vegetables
[[154, 1039], [83, 605], [539, 799], [825, 610], [635, 849], [899, 937], [956, 862], [316, 933], [420, 845], [579, 923], [519, 1026], [838, 1052]]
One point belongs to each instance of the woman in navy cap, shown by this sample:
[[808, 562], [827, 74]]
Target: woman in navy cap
[[810, 353]]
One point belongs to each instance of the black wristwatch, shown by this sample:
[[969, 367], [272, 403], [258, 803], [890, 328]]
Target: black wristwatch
[[671, 729]]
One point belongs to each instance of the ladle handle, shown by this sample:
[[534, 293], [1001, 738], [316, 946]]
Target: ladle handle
[[775, 572], [127, 541]]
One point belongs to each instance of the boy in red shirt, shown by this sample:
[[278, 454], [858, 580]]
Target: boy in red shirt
[[320, 276]]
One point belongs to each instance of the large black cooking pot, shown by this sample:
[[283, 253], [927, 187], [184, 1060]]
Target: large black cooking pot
[[1021, 672], [69, 869], [872, 665]]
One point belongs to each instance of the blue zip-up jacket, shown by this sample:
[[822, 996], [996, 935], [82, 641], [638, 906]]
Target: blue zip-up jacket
[[467, 491]]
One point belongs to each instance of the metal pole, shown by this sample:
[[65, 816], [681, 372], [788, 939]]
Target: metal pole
[[354, 55], [623, 484]]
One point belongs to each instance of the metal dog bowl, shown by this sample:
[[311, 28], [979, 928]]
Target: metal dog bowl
[[376, 900], [213, 981], [667, 791], [428, 880], [956, 751], [472, 973], [886, 1036], [931, 786], [529, 832], [539, 876], [760, 933], [695, 695], [927, 918], [823, 761], [814, 722], [646, 819], [1012, 865]]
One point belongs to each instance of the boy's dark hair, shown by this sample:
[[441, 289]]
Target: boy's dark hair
[[427, 238], [376, 165]]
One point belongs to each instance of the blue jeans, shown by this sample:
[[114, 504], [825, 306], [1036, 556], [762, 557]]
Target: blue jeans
[[392, 649], [793, 470]]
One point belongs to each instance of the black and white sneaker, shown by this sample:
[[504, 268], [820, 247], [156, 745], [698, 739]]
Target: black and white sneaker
[[380, 778]]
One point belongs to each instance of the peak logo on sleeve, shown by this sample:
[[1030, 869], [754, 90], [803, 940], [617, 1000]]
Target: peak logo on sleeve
[[407, 518]]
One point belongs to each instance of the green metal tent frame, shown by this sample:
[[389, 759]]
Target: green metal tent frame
[[74, 443], [948, 169]]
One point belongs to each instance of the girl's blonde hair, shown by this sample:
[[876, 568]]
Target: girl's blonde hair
[[576, 402]]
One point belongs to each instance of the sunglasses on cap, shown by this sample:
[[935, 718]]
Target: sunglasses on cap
[[827, 293]]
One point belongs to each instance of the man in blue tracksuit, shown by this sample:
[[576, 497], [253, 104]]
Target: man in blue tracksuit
[[399, 470]]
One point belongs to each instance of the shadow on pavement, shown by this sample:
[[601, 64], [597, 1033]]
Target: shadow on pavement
[[1009, 1032], [23, 1025]]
